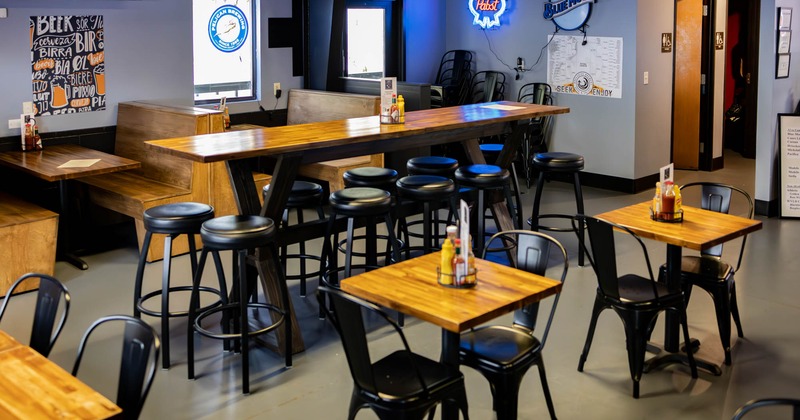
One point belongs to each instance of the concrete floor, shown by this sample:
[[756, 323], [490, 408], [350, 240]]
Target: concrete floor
[[765, 364]]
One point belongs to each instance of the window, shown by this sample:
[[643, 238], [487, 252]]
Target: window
[[224, 54], [370, 39]]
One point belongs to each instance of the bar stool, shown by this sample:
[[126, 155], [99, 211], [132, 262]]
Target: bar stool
[[172, 220], [239, 234], [428, 189], [481, 177], [559, 162], [491, 152], [304, 195], [432, 165], [381, 178]]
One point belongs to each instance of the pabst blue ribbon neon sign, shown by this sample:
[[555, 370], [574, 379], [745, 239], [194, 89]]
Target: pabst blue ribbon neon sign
[[487, 13], [568, 15]]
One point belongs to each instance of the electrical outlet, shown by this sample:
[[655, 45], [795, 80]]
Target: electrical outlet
[[646, 78], [275, 88], [14, 123], [27, 107]]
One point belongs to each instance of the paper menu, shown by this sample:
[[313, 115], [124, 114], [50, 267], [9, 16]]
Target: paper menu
[[390, 113], [665, 173]]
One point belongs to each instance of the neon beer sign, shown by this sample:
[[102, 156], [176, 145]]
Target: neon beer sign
[[568, 15], [486, 13]]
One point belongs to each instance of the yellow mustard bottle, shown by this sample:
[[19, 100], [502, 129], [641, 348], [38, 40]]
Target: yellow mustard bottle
[[401, 108], [446, 264]]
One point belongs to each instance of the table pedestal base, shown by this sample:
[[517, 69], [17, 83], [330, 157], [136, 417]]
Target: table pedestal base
[[664, 358]]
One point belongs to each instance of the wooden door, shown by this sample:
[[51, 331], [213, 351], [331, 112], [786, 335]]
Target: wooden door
[[686, 87]]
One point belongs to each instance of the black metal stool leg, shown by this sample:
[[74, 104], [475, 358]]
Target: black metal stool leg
[[137, 288]]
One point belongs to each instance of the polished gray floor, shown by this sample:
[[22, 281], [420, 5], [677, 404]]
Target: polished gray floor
[[766, 363]]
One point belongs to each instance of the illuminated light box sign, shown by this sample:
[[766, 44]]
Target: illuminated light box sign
[[486, 13], [568, 15]]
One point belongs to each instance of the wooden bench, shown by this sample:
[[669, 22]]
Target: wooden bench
[[28, 234], [163, 179], [308, 106]]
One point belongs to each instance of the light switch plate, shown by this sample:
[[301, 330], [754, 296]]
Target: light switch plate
[[27, 107], [14, 124], [3, 12]]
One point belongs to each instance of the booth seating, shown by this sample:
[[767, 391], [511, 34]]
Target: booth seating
[[307, 106], [163, 179], [28, 234]]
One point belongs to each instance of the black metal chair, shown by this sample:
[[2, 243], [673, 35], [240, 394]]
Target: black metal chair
[[504, 354], [765, 402], [707, 270], [637, 300], [487, 86], [402, 385], [51, 293], [535, 139], [140, 348], [454, 75]]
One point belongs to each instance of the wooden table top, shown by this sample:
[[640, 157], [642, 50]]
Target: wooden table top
[[33, 387], [700, 229], [45, 163], [355, 133], [410, 287]]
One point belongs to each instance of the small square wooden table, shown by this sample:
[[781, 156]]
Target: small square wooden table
[[33, 387], [699, 230], [411, 288], [49, 164]]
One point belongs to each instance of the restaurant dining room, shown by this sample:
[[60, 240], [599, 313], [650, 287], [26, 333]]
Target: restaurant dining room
[[397, 208]]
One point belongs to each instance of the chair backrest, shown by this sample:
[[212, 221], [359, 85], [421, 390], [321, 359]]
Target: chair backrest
[[754, 404], [603, 255], [533, 252], [346, 316], [48, 308], [454, 76], [535, 93], [488, 86], [718, 197], [140, 349]]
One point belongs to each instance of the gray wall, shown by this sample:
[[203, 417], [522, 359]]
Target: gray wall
[[148, 55]]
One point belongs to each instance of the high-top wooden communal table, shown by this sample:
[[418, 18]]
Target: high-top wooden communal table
[[316, 142], [33, 387], [700, 229], [44, 164], [411, 288]]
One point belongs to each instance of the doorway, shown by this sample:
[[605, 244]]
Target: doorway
[[741, 74]]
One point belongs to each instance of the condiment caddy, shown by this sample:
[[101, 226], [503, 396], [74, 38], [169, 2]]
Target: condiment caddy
[[667, 203], [457, 266]]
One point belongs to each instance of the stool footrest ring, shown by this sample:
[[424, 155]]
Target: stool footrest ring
[[302, 257], [340, 245], [202, 289], [232, 336], [553, 228]]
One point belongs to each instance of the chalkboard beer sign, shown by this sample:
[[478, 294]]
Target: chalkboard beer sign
[[68, 64]]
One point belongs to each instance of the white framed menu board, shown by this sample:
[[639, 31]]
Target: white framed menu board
[[789, 139]]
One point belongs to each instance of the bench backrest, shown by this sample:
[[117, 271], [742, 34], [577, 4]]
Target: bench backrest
[[138, 122], [307, 106]]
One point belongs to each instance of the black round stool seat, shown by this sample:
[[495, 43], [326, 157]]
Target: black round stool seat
[[558, 162], [361, 201], [177, 217], [370, 177], [425, 187], [432, 165], [237, 232], [482, 176], [304, 194]]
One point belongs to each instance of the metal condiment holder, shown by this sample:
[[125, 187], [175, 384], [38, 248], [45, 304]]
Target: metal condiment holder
[[468, 281], [667, 217]]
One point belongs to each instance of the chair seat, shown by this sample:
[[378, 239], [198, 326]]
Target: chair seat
[[369, 177], [425, 187], [497, 346], [432, 165], [361, 201], [237, 232], [177, 217], [558, 161], [395, 377], [638, 290], [482, 176], [303, 194], [705, 269]]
